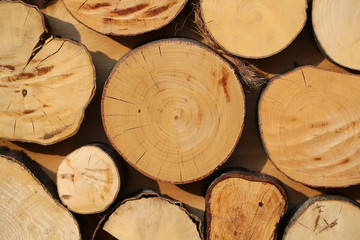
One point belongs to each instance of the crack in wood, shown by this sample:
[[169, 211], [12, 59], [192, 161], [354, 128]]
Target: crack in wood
[[81, 5], [119, 99]]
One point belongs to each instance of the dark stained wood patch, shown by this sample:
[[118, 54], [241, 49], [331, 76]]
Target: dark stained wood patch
[[28, 111], [96, 6], [130, 10], [9, 67], [223, 81]]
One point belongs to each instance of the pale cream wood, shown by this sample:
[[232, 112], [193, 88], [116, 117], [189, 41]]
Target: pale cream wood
[[45, 83], [243, 206], [325, 218], [336, 26], [174, 110], [151, 218], [254, 28], [309, 122], [125, 17], [27, 209], [88, 180]]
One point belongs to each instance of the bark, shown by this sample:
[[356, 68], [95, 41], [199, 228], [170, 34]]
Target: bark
[[256, 28], [337, 31], [28, 209], [149, 215], [174, 110], [89, 179], [244, 205], [325, 217], [309, 123], [126, 17], [45, 82]]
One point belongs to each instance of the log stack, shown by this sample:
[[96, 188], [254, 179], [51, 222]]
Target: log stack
[[174, 109]]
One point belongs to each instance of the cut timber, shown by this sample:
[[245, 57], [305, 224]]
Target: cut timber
[[336, 26], [254, 28], [125, 17], [310, 125], [244, 205], [149, 216], [325, 218], [28, 210], [173, 109], [88, 179], [45, 84]]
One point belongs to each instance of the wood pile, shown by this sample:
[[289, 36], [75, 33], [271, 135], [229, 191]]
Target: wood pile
[[113, 98]]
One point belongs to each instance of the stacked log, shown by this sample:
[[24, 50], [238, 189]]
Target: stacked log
[[29, 208], [174, 110]]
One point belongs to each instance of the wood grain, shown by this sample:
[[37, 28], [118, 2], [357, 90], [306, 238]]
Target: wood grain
[[174, 110], [126, 17], [254, 28], [45, 82], [309, 122]]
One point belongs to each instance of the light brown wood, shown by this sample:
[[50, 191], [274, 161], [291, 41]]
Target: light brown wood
[[309, 122], [88, 180], [174, 110], [45, 82], [325, 218], [126, 17], [150, 216], [28, 210], [244, 205], [249, 151], [254, 28], [336, 26]]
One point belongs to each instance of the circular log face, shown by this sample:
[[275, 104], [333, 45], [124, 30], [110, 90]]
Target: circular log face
[[325, 218], [125, 17], [88, 180], [28, 211], [337, 29], [44, 86], [174, 110], [242, 205], [310, 126], [254, 28], [151, 218]]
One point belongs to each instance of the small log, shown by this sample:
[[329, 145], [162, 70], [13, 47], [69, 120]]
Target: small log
[[310, 122], [244, 205], [89, 179], [173, 109], [336, 27], [254, 28], [127, 17], [28, 206], [45, 82], [325, 217], [149, 216]]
